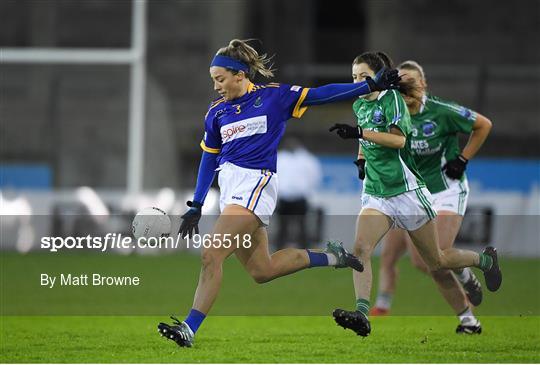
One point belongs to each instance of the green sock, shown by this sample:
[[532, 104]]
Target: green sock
[[362, 305], [485, 262]]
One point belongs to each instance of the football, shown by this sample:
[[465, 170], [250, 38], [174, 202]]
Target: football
[[151, 222]]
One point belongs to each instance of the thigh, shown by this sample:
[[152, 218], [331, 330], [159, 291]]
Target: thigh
[[416, 258], [257, 256], [395, 245], [233, 223], [425, 240], [371, 226], [448, 224]]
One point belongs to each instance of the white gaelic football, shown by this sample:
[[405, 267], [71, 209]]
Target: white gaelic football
[[151, 222]]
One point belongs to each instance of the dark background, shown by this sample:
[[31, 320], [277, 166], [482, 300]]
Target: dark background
[[73, 118]]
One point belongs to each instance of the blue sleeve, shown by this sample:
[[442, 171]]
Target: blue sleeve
[[296, 99], [211, 141], [205, 177], [211, 145], [291, 98], [335, 92]]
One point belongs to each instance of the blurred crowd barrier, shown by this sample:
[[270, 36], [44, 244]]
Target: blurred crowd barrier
[[503, 210]]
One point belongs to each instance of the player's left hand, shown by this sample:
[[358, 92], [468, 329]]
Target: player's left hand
[[346, 131], [190, 220], [385, 79], [361, 165], [455, 168]]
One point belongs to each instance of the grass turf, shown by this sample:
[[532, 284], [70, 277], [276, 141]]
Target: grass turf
[[119, 324], [268, 339]]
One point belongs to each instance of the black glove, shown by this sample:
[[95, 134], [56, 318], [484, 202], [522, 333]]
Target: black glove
[[385, 79], [361, 164], [346, 131], [190, 220], [455, 168]]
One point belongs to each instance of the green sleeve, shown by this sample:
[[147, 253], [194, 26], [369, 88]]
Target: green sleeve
[[460, 119], [396, 112]]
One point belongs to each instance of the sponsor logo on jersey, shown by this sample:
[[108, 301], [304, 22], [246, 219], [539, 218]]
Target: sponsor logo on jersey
[[296, 88], [220, 113], [422, 148], [258, 103], [465, 113], [428, 128], [419, 144], [243, 128], [378, 117]]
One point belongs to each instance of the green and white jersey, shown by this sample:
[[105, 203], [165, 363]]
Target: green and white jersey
[[435, 138], [389, 171]]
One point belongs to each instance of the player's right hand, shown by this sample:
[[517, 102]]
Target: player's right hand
[[361, 165], [346, 131], [190, 220], [385, 79]]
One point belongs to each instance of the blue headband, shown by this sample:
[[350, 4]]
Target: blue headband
[[229, 62]]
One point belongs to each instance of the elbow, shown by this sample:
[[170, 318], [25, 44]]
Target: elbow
[[484, 123], [489, 125]]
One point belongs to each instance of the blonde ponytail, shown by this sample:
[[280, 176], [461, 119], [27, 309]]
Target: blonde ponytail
[[240, 50], [412, 65]]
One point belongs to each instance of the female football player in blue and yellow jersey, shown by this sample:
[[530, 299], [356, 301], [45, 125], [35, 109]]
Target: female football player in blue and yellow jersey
[[394, 192], [242, 132], [435, 148]]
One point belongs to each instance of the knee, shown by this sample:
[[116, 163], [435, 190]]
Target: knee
[[362, 250], [437, 265], [209, 259]]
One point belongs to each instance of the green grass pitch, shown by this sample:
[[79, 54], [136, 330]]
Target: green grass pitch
[[285, 321]]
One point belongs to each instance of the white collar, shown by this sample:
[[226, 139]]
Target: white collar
[[423, 105]]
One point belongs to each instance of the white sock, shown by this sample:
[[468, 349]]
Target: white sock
[[332, 260], [384, 301], [467, 317], [464, 276]]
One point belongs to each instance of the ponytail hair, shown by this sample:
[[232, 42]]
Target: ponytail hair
[[240, 50], [412, 65], [409, 88]]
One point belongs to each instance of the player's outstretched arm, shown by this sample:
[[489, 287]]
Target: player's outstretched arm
[[388, 79]]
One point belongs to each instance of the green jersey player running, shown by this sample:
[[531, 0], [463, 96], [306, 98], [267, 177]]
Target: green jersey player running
[[434, 140], [395, 194]]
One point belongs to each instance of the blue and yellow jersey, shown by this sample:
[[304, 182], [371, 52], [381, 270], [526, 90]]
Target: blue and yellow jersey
[[246, 131]]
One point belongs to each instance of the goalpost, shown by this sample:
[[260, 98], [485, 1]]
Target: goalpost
[[135, 57]]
